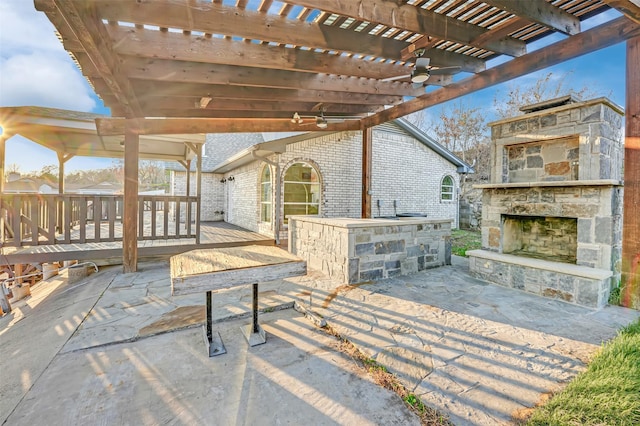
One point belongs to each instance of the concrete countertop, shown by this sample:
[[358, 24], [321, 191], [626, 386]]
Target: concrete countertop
[[344, 222]]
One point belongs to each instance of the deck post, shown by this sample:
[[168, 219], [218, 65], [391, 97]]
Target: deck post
[[3, 142], [630, 284], [188, 167], [367, 144], [198, 191], [62, 159], [187, 222], [130, 214]]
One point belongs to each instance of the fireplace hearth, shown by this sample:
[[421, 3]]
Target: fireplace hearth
[[555, 199]]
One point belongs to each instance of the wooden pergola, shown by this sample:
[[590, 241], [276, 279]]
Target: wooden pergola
[[196, 66]]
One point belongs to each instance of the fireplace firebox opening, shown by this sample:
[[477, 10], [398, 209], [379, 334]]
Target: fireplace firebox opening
[[548, 238]]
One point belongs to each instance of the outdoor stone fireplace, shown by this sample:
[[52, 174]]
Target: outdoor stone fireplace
[[552, 214]]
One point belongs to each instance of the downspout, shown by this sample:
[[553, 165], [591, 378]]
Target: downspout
[[276, 212]]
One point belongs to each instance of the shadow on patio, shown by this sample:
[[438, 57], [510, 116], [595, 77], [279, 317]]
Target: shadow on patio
[[121, 348]]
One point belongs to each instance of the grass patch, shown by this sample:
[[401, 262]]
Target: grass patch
[[379, 373], [607, 393], [463, 240]]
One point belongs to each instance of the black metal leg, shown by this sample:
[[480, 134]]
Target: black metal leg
[[254, 334], [209, 318], [255, 308], [212, 340]]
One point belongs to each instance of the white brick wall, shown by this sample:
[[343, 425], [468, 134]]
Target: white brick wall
[[212, 200], [403, 169], [410, 173]]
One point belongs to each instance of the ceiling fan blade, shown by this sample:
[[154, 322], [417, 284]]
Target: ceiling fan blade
[[416, 85], [422, 62], [398, 77], [445, 70]]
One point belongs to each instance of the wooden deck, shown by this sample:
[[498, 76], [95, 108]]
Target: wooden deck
[[212, 235]]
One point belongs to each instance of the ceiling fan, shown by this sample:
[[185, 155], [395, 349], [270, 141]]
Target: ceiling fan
[[321, 121], [421, 71]]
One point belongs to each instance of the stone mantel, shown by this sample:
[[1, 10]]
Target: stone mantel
[[595, 182]]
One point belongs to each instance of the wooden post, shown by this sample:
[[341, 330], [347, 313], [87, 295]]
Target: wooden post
[[3, 142], [189, 209], [130, 213], [198, 192], [188, 167], [61, 222], [631, 222], [367, 144]]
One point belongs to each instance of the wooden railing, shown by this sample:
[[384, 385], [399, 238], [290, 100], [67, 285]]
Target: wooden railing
[[43, 219]]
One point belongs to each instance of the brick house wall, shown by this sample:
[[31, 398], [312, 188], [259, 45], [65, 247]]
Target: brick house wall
[[403, 169], [410, 173]]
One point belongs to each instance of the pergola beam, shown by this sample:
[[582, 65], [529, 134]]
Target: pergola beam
[[629, 8], [151, 90], [177, 46], [541, 12], [194, 72], [214, 18], [594, 39], [167, 126], [421, 21], [251, 105]]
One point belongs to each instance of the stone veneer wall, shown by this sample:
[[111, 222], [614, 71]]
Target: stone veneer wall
[[595, 124], [351, 251], [555, 160], [598, 210]]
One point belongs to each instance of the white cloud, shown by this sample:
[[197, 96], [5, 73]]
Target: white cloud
[[34, 67], [42, 80], [25, 28]]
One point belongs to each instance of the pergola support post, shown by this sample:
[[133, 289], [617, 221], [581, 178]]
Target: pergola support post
[[198, 191], [130, 213], [630, 285], [3, 144], [367, 145]]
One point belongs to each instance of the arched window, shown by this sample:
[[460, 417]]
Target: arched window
[[265, 195], [301, 191], [446, 189]]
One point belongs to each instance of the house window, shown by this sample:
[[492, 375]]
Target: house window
[[301, 191], [265, 195], [446, 189]]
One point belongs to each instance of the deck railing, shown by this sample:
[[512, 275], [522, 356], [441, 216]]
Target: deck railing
[[44, 219]]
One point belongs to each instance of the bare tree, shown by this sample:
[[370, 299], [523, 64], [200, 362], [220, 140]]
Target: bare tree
[[461, 129]]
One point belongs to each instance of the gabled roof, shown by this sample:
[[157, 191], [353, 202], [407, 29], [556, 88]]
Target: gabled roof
[[260, 150], [74, 133]]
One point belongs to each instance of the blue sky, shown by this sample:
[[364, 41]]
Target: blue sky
[[36, 70]]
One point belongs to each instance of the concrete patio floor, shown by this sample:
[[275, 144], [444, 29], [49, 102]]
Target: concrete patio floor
[[119, 349]]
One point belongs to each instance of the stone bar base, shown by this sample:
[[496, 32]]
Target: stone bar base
[[353, 251], [575, 284]]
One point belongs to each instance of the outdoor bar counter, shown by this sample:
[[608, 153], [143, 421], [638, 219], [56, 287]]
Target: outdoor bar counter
[[353, 251]]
